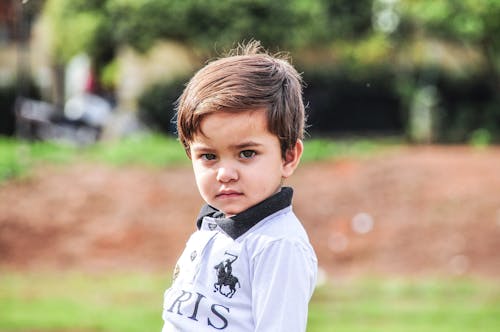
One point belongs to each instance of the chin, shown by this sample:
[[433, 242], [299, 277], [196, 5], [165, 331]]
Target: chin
[[232, 211], [230, 207]]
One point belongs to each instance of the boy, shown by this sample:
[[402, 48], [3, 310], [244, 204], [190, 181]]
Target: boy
[[249, 266]]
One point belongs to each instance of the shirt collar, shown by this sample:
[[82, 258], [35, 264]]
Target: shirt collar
[[239, 224]]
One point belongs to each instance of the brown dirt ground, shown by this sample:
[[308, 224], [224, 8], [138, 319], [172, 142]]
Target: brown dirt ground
[[414, 211]]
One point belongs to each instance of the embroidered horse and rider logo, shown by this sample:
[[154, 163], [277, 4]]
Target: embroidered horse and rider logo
[[226, 282]]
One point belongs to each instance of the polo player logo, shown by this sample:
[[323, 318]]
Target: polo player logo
[[225, 278]]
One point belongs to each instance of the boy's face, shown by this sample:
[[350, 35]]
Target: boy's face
[[237, 162]]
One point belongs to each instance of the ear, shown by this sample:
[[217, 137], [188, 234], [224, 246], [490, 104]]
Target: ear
[[292, 159]]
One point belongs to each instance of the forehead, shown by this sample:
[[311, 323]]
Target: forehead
[[228, 127], [253, 119]]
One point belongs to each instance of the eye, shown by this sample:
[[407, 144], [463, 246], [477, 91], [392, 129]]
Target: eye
[[208, 156], [246, 154]]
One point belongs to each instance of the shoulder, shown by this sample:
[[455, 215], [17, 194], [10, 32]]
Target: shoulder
[[283, 224], [280, 231], [280, 252]]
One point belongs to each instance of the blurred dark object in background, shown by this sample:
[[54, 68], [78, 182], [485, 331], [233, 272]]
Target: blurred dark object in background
[[81, 123]]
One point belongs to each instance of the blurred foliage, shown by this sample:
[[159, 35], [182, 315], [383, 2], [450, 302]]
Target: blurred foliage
[[212, 22], [480, 138], [157, 104], [466, 21], [367, 95], [93, 25], [80, 26], [100, 27], [459, 104], [360, 37], [346, 19], [470, 22]]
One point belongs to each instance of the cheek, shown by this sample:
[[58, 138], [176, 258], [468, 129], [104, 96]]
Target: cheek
[[204, 175], [269, 172], [200, 173], [204, 186]]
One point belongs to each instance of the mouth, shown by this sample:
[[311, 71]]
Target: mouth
[[228, 194]]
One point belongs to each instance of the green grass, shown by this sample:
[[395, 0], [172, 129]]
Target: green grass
[[327, 149], [77, 302], [147, 149], [394, 305], [129, 302], [18, 158]]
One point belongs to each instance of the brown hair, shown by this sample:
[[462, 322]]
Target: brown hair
[[247, 79]]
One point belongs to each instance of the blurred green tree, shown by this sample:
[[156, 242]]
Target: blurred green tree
[[465, 25], [99, 27], [475, 23], [77, 25], [359, 34]]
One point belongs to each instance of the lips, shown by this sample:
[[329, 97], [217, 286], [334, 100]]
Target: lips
[[228, 194]]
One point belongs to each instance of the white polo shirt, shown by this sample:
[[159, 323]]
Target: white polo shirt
[[255, 271]]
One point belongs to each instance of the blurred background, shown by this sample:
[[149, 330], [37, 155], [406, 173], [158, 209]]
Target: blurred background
[[399, 188]]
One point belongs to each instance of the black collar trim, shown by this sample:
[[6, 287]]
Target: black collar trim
[[239, 224]]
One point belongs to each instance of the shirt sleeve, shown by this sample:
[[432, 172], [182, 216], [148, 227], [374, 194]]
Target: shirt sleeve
[[283, 280]]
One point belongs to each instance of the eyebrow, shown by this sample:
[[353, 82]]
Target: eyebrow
[[244, 145], [201, 148]]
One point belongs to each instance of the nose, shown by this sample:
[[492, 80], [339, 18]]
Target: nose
[[227, 174]]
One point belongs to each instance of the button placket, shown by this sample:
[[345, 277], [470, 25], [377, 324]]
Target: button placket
[[196, 256]]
